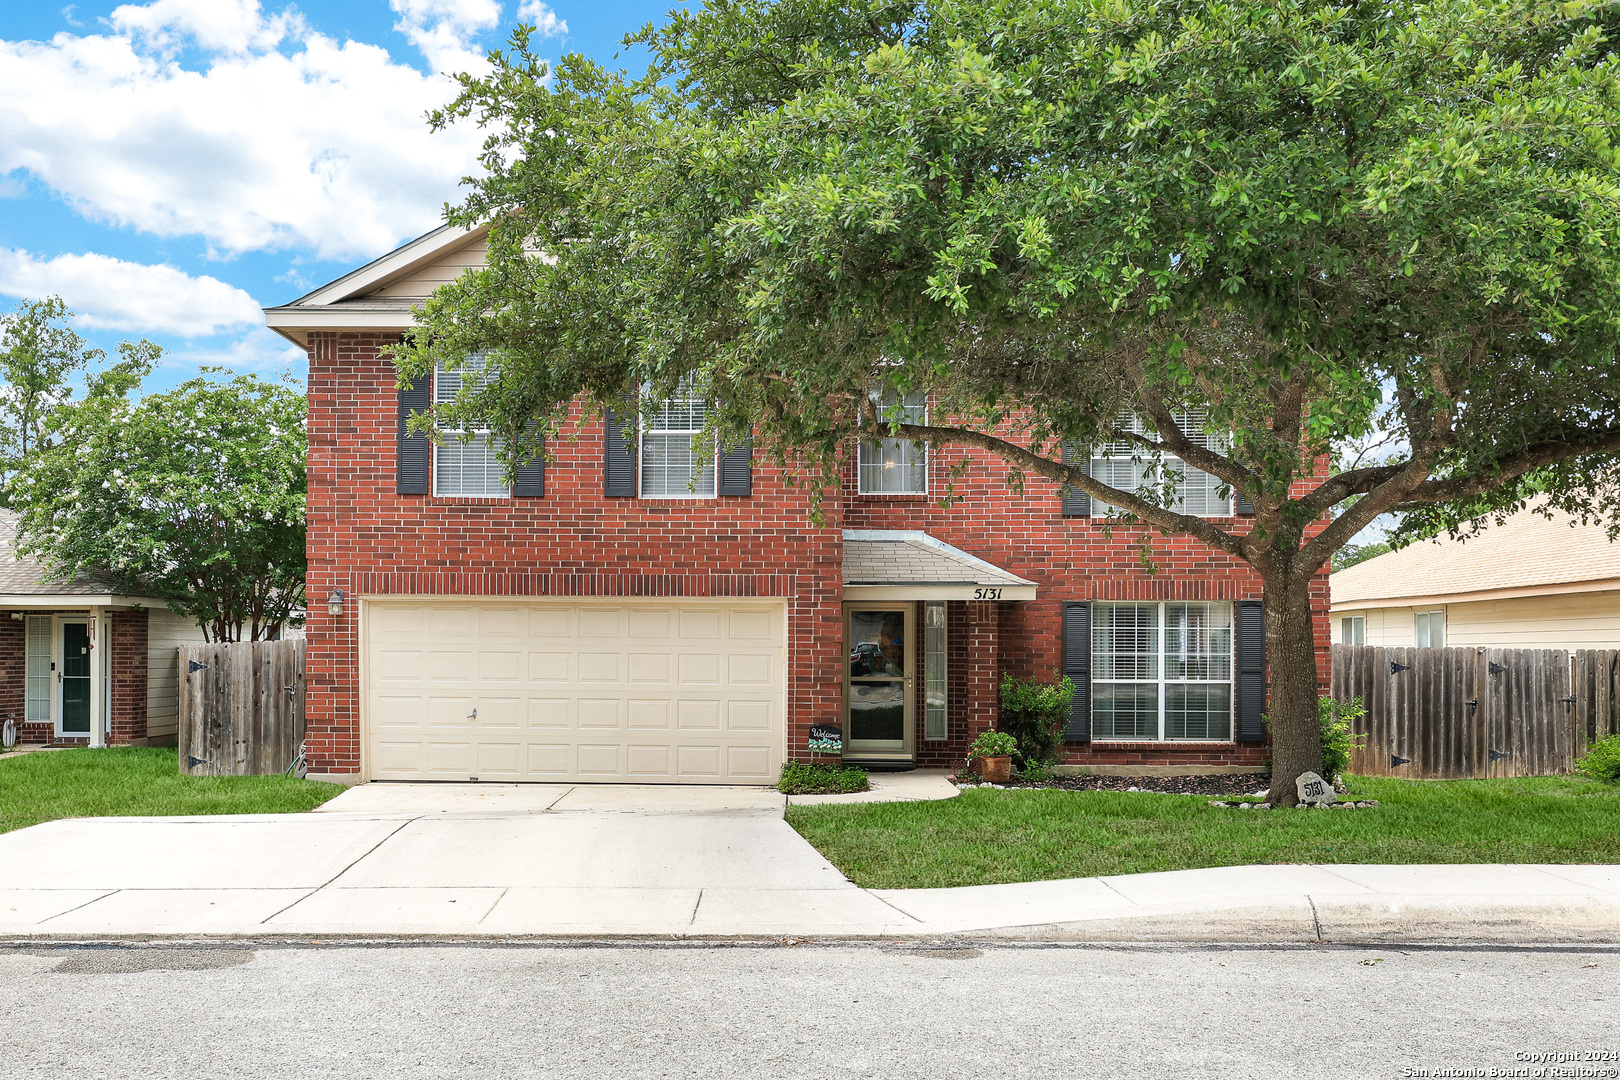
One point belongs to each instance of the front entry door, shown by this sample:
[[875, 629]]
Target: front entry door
[[878, 690], [74, 677]]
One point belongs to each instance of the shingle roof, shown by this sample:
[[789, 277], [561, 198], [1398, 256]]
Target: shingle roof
[[26, 576], [1525, 551], [885, 557]]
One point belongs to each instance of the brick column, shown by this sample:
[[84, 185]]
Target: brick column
[[126, 635], [983, 652]]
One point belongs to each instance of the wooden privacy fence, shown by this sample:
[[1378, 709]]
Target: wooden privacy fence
[[1454, 713], [241, 707]]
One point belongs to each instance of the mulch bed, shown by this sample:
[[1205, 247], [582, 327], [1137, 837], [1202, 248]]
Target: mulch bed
[[1214, 784]]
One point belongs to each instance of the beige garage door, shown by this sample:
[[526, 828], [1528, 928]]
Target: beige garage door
[[689, 692]]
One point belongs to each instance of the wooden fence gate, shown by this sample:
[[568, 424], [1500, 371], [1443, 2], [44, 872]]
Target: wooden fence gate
[[241, 707], [1457, 713]]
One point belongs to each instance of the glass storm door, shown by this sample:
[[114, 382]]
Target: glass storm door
[[75, 678], [879, 684]]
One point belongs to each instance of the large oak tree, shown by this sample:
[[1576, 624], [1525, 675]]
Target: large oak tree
[[1304, 221]]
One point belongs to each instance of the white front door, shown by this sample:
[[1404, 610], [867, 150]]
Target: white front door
[[612, 691]]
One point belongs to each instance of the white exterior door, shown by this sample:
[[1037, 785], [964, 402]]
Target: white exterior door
[[618, 691]]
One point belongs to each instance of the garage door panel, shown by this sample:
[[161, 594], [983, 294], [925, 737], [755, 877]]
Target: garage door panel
[[599, 667], [551, 667], [649, 715], [687, 692], [549, 713]]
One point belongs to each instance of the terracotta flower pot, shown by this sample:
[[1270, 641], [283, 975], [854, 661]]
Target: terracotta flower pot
[[996, 770]]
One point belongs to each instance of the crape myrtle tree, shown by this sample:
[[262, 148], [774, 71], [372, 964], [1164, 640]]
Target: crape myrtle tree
[[194, 496], [1300, 222]]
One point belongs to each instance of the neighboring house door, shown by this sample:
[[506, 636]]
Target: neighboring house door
[[880, 647], [73, 679]]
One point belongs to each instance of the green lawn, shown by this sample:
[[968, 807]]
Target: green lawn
[[137, 781], [983, 837]]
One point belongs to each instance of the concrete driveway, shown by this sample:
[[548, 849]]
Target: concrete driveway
[[441, 859]]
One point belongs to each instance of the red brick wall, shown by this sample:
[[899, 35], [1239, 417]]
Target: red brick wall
[[127, 634], [13, 678], [365, 539]]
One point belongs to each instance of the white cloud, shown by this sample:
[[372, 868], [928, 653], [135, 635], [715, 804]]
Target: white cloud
[[442, 29], [539, 15], [111, 294], [278, 138], [261, 349]]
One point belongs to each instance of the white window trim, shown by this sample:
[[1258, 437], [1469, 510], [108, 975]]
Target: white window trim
[[1163, 681], [860, 461], [456, 433], [1350, 622], [1445, 630], [691, 434], [1193, 428]]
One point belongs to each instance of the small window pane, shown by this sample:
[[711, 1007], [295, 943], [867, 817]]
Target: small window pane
[[465, 462], [671, 466], [1198, 711], [1198, 641], [1125, 641], [1125, 711], [895, 466]]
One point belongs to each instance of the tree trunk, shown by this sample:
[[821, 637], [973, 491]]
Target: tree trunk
[[1296, 732]]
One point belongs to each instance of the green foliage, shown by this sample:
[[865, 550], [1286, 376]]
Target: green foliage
[[1337, 739], [138, 781], [1351, 554], [993, 744], [816, 778], [1035, 714], [194, 496], [1308, 222], [38, 351], [1602, 760]]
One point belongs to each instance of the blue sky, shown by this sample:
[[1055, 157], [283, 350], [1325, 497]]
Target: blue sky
[[169, 167]]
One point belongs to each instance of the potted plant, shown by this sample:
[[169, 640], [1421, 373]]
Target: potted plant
[[993, 750]]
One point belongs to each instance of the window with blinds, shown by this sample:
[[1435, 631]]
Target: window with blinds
[[464, 462], [1123, 465], [895, 466], [37, 670], [675, 462], [1161, 671]]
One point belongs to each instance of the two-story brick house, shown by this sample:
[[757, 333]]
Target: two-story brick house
[[633, 611]]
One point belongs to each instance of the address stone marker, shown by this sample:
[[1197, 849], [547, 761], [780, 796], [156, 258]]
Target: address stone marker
[[1313, 789]]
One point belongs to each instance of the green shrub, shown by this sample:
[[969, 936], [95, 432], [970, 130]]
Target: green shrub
[[1035, 714], [813, 778], [1337, 739], [1602, 759]]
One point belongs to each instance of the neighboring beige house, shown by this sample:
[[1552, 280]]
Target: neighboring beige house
[[1527, 583]]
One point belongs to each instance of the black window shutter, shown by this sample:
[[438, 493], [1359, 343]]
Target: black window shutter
[[529, 481], [1251, 672], [415, 451], [1076, 503], [618, 461], [1077, 666], [737, 469], [1241, 505]]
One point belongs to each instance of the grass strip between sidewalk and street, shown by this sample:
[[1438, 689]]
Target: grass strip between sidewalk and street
[[137, 782], [986, 836]]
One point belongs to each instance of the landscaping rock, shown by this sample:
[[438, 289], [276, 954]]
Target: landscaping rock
[[1263, 806], [1313, 789], [1216, 785]]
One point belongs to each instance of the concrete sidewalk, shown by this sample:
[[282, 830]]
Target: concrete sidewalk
[[476, 861]]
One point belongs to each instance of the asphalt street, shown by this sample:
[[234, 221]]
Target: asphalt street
[[807, 1010]]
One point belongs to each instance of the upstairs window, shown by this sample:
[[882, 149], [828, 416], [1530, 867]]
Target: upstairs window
[[895, 466], [464, 462], [673, 466], [1197, 493]]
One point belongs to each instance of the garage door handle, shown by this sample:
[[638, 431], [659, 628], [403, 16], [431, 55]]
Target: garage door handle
[[473, 715]]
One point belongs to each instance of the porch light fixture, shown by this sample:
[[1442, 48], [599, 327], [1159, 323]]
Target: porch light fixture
[[334, 603]]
